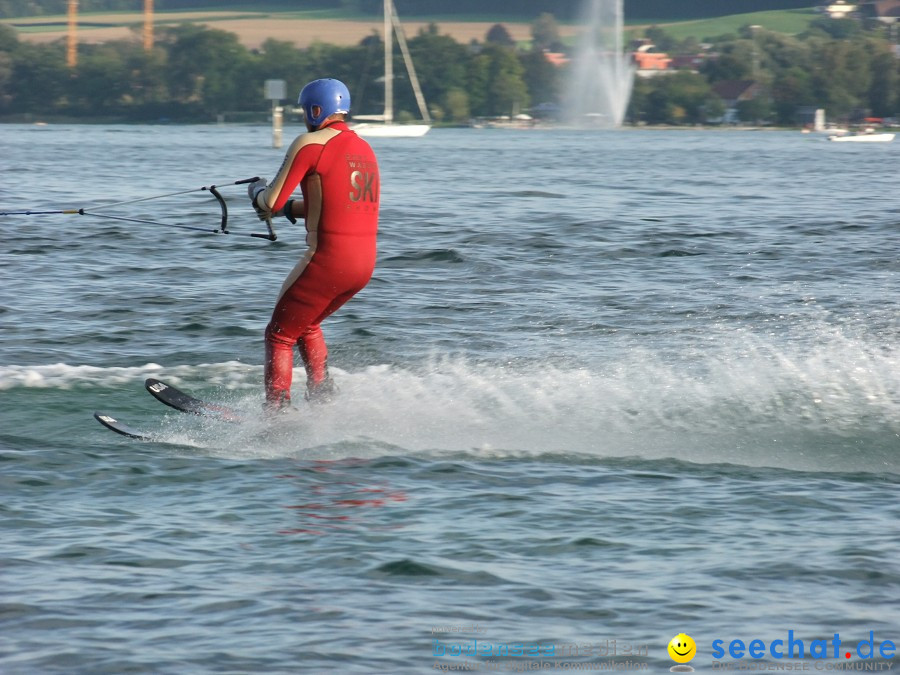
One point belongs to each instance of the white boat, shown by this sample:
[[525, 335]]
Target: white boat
[[383, 125], [867, 136], [376, 130]]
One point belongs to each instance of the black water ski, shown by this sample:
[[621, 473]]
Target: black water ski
[[174, 397], [113, 424]]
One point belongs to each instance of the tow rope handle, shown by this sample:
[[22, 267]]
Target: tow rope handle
[[270, 235]]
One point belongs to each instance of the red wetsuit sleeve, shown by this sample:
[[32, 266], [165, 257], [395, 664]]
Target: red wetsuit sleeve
[[300, 160]]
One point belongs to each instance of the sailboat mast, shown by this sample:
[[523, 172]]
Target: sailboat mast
[[407, 59], [392, 27], [388, 64]]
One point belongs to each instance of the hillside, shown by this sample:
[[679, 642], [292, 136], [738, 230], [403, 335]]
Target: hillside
[[789, 21]]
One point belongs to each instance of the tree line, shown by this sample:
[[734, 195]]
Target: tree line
[[850, 69], [195, 73]]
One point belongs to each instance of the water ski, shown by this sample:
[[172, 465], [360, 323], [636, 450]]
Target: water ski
[[172, 396], [113, 424]]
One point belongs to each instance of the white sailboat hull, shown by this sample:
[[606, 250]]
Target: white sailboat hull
[[371, 130], [863, 138]]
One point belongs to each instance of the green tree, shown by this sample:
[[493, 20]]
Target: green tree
[[440, 63], [680, 98], [209, 69], [279, 60], [6, 76], [545, 32], [499, 35], [456, 105], [147, 72], [792, 88], [735, 62], [344, 63], [541, 77], [9, 44], [101, 79], [885, 83], [638, 103], [39, 79], [713, 109], [777, 52], [659, 37], [506, 90], [756, 110], [477, 83], [659, 107], [842, 77], [9, 39], [690, 45], [838, 29]]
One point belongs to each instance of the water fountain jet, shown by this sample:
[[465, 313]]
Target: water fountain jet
[[602, 73]]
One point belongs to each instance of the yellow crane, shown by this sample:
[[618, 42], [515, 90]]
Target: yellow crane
[[72, 46], [148, 25]]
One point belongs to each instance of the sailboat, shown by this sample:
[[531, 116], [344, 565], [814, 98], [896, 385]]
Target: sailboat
[[383, 125]]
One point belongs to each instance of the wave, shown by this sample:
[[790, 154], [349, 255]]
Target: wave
[[833, 405], [65, 376]]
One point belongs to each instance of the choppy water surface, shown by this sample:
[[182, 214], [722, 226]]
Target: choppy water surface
[[603, 386]]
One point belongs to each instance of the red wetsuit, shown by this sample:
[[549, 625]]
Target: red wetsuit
[[338, 174]]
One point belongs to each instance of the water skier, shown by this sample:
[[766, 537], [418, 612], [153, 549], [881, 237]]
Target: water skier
[[337, 172]]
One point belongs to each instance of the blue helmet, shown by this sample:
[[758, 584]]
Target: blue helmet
[[332, 96]]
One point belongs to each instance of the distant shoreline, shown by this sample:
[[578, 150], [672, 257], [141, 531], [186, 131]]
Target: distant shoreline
[[97, 121]]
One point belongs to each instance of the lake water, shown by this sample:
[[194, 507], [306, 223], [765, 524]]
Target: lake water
[[604, 388]]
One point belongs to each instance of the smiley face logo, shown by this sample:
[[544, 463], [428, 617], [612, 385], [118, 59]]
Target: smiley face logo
[[682, 648]]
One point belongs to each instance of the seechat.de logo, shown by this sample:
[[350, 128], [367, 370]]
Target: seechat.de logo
[[794, 648]]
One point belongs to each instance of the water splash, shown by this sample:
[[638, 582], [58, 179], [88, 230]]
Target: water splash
[[602, 73], [742, 399], [827, 403]]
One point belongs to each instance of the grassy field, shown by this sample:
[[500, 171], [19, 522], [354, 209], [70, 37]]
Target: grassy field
[[254, 28], [332, 26], [790, 21]]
